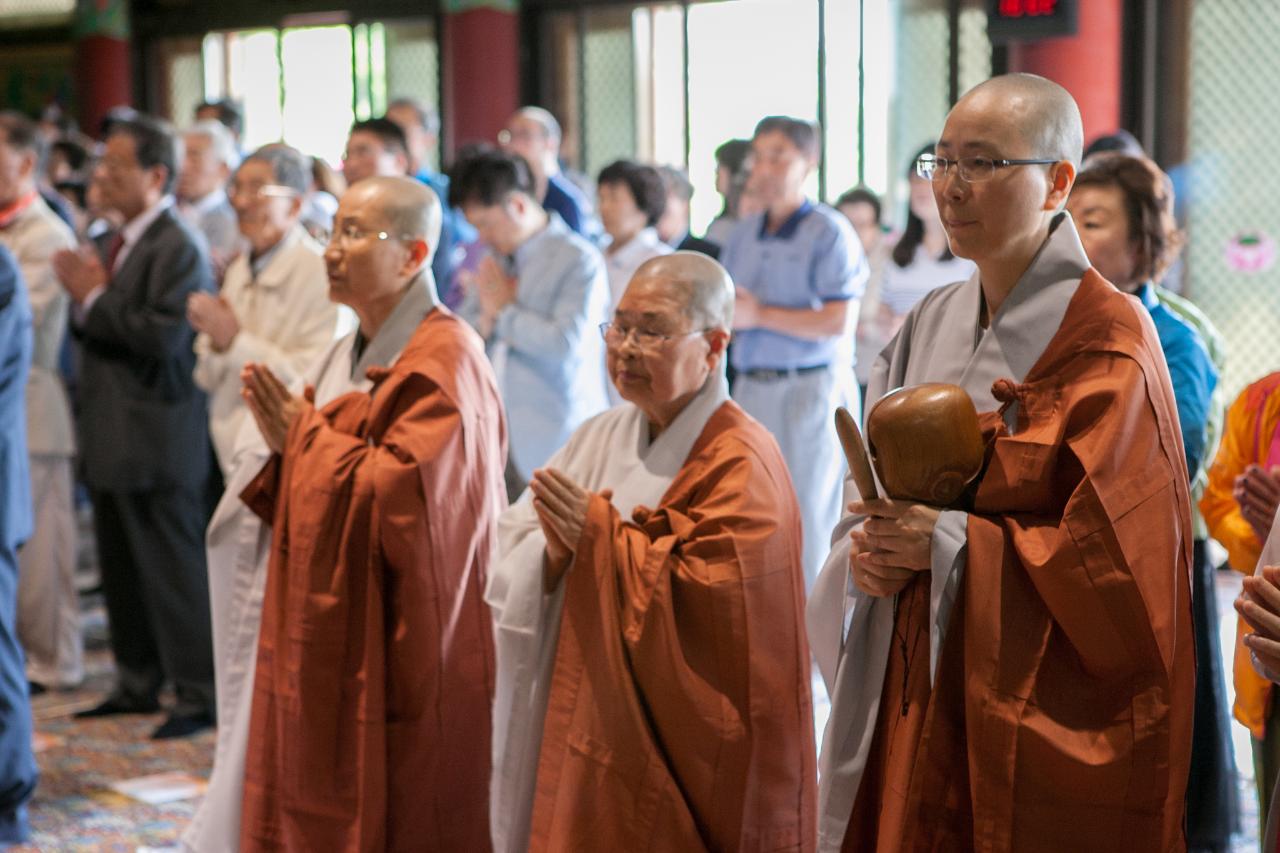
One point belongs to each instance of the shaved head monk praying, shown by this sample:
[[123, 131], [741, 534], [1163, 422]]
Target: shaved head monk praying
[[1015, 672], [653, 687], [370, 718]]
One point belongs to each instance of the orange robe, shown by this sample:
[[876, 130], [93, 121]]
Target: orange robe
[[1061, 714], [679, 716], [1247, 434], [370, 723]]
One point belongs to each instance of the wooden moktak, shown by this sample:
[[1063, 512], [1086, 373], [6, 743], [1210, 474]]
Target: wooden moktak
[[924, 442]]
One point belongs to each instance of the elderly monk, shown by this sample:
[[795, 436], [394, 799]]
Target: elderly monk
[[370, 711], [1017, 673], [653, 688]]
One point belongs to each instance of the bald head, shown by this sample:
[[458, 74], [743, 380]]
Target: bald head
[[408, 208], [701, 285], [1045, 113]]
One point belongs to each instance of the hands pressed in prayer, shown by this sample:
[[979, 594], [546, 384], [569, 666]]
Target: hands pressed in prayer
[[892, 545], [271, 404], [80, 270], [213, 316], [1257, 491], [561, 506], [746, 310], [1259, 606], [494, 287]]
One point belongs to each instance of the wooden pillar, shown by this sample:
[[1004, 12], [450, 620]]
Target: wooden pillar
[[102, 64], [480, 62], [1087, 64]]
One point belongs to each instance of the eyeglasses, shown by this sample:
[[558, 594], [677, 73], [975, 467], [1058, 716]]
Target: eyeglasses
[[970, 169], [254, 193], [506, 136], [615, 335], [345, 235]]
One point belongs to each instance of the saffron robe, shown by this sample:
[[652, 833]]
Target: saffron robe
[[238, 547], [679, 714], [1044, 696], [370, 722], [611, 451]]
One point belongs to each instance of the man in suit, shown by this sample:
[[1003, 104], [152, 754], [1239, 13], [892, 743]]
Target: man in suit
[[143, 431]]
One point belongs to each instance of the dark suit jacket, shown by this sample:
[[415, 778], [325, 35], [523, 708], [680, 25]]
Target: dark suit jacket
[[691, 243], [141, 420]]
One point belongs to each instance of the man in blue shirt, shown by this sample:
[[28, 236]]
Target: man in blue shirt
[[17, 762], [538, 301], [534, 134], [799, 272], [379, 146]]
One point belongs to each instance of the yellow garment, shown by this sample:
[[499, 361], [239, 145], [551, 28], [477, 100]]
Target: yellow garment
[[1246, 439]]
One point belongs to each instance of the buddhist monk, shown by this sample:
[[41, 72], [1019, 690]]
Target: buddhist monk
[[653, 671], [1259, 607], [370, 718], [1016, 672]]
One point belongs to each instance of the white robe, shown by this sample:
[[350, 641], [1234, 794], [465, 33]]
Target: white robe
[[850, 632], [610, 451], [238, 546]]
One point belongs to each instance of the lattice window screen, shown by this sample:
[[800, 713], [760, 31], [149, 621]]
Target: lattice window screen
[[975, 48], [609, 89], [413, 61], [1232, 190]]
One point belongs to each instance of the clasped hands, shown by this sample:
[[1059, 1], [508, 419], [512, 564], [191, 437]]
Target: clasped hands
[[1257, 491], [80, 271], [1259, 605], [892, 545], [561, 507], [494, 290], [272, 406], [212, 315]]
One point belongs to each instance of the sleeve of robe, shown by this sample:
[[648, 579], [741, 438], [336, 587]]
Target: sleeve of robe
[[1218, 504], [695, 603]]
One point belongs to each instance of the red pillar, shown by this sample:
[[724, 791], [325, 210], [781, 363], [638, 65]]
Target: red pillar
[[480, 59], [103, 78], [1087, 64]]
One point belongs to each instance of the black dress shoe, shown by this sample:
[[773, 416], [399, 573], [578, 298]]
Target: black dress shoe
[[112, 705], [182, 725]]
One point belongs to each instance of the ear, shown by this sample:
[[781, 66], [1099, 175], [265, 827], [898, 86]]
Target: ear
[[718, 340], [418, 251], [1062, 175]]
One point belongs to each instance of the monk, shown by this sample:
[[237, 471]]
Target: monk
[[370, 714], [1259, 608], [653, 689], [1016, 673]]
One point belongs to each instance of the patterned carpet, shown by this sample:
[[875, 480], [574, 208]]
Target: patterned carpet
[[74, 809]]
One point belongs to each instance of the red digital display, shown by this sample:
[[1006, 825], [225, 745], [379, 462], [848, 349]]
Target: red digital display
[[1025, 8], [1030, 20]]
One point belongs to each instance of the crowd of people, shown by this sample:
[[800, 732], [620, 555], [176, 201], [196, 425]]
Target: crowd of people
[[479, 513]]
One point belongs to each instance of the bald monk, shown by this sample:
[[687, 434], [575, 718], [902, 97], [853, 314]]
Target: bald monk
[[653, 689], [370, 712], [1016, 674]]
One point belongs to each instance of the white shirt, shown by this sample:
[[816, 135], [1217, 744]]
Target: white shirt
[[902, 287], [286, 321], [622, 263]]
